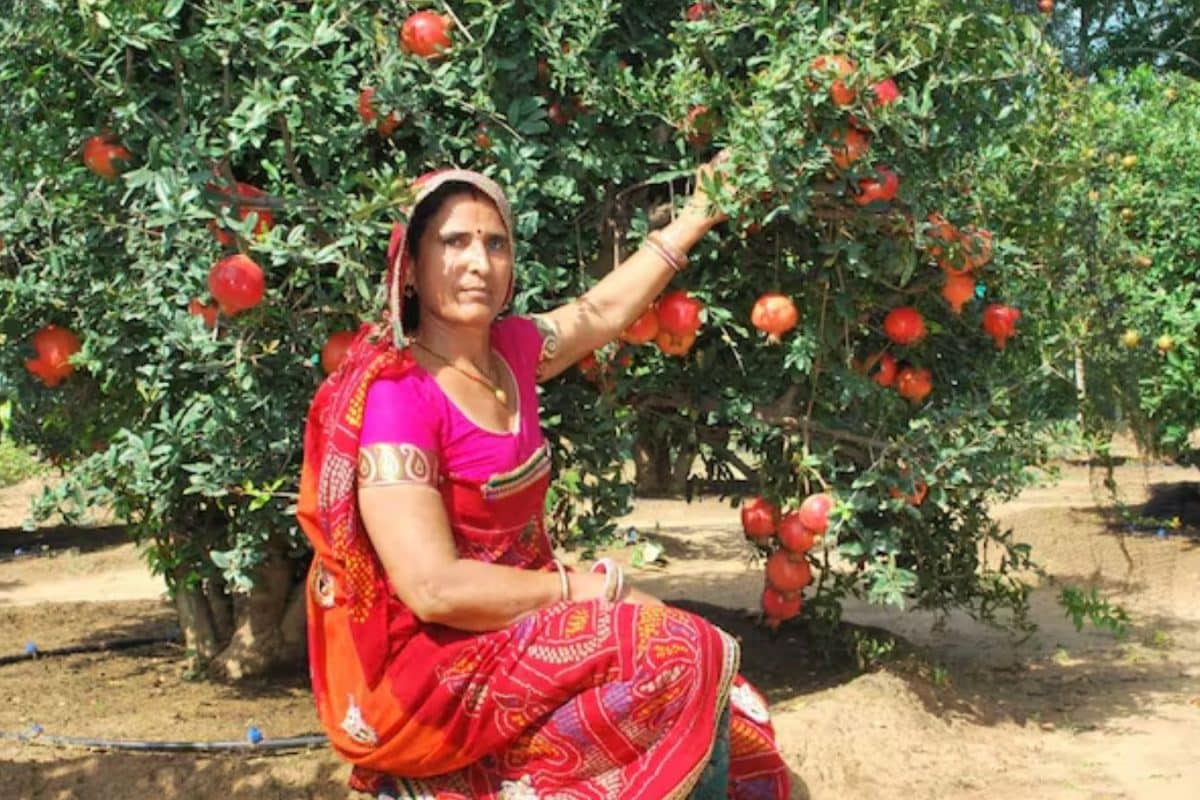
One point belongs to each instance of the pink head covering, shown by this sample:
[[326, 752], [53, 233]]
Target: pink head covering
[[399, 262]]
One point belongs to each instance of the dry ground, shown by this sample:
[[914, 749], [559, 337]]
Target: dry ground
[[974, 713]]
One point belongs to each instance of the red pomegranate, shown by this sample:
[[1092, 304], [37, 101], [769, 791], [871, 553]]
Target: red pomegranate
[[977, 246], [920, 489], [794, 535], [940, 230], [334, 351], [779, 607], [958, 291], [760, 517], [914, 383], [100, 153], [814, 512], [880, 189], [774, 314], [904, 325], [206, 311], [842, 67], [851, 145], [673, 344], [1000, 322], [886, 92], [699, 125], [643, 329], [265, 220], [679, 314], [426, 34], [788, 573], [698, 11], [237, 284], [886, 375], [366, 110], [54, 347]]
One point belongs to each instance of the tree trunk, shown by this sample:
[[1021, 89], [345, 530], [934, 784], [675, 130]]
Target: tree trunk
[[220, 606], [258, 644], [195, 620]]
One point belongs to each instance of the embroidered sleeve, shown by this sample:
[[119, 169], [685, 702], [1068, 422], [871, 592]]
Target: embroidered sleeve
[[396, 464], [548, 331]]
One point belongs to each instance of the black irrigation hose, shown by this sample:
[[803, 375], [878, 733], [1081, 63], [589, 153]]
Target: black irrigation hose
[[97, 647], [254, 743], [35, 736]]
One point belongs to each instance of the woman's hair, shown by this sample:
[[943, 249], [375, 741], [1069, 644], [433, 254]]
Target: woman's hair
[[410, 309]]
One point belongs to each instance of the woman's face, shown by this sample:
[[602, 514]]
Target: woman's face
[[464, 262]]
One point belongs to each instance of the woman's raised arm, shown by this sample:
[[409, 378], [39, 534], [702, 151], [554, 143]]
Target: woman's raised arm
[[609, 307]]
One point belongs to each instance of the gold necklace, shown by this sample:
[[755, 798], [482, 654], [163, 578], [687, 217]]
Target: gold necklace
[[496, 391]]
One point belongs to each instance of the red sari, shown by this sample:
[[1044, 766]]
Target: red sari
[[578, 701]]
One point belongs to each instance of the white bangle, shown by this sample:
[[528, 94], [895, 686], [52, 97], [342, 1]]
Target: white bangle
[[564, 584], [614, 578]]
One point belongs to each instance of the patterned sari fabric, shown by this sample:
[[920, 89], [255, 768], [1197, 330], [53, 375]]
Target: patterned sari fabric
[[578, 701]]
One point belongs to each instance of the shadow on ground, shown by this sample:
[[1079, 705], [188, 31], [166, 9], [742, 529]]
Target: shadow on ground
[[59, 538]]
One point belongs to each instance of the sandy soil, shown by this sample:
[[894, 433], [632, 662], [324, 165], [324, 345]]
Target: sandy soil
[[968, 712]]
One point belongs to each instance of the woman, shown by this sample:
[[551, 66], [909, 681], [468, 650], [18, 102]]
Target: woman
[[452, 656]]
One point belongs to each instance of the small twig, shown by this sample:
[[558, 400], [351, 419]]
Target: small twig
[[458, 22], [289, 153]]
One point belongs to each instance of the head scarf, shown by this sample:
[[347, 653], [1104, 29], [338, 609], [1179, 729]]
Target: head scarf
[[399, 261]]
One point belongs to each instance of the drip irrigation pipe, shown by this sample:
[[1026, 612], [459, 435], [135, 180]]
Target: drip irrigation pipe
[[32, 653], [35, 736], [253, 743]]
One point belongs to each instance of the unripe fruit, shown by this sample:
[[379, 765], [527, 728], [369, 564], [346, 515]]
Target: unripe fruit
[[1131, 339]]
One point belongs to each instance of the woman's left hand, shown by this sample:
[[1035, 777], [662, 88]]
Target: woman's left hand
[[700, 202]]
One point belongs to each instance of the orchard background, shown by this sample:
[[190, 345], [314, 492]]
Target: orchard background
[[1001, 167]]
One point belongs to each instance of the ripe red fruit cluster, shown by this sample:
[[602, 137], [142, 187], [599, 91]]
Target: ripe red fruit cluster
[[774, 314], [787, 570], [54, 347], [237, 284], [426, 34], [104, 156], [698, 11]]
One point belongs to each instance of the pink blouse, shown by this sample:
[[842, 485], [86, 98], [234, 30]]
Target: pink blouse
[[414, 410]]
